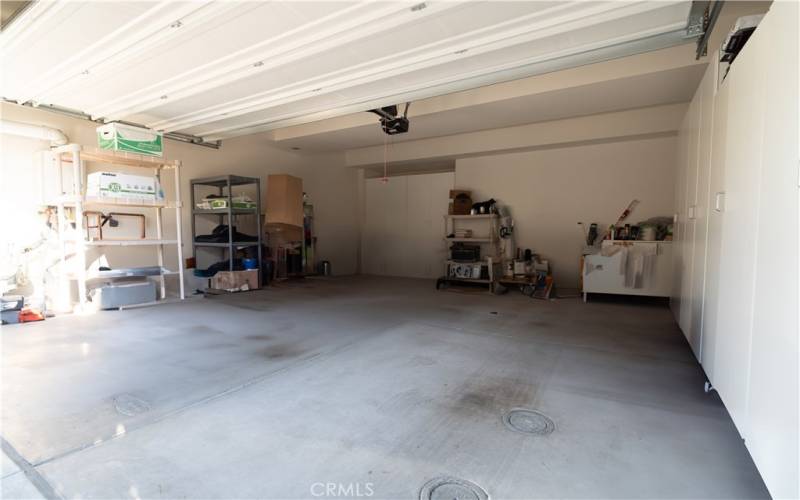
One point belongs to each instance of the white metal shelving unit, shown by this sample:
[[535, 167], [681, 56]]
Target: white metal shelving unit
[[78, 156], [490, 240]]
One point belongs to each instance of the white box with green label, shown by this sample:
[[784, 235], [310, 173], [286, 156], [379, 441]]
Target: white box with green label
[[120, 137], [124, 188]]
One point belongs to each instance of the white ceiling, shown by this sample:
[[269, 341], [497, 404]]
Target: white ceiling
[[222, 69], [652, 89]]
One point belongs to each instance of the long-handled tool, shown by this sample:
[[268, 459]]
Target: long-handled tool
[[627, 212]]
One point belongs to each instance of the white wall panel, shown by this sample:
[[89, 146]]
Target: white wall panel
[[385, 225], [549, 190], [428, 197], [404, 225]]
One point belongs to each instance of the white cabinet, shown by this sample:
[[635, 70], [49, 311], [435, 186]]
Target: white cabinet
[[739, 228], [689, 222], [679, 222], [605, 274], [716, 206], [700, 213], [772, 406], [692, 215], [737, 246]]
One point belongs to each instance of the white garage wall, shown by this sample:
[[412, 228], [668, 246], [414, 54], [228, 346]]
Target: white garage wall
[[331, 187], [404, 225], [548, 191]]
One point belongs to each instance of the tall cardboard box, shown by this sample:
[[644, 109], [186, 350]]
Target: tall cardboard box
[[285, 200]]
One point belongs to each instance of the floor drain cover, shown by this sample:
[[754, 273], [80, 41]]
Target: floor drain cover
[[529, 422], [130, 405], [452, 488]]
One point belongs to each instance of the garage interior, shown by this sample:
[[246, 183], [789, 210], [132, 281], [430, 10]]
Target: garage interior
[[472, 250]]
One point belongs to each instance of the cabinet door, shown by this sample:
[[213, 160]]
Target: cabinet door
[[705, 99], [690, 210], [679, 219], [719, 150], [773, 394], [745, 83]]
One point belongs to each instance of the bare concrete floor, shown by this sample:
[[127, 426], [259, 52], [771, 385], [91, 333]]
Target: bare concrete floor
[[373, 385]]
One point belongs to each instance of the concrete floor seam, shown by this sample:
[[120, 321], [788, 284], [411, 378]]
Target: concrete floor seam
[[34, 476], [214, 397], [10, 474], [543, 387]]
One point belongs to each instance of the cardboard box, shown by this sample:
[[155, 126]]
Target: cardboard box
[[285, 200], [119, 137], [235, 281], [460, 202], [114, 186]]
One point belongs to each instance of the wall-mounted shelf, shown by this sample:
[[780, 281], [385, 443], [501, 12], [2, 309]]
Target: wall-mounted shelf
[[237, 244], [126, 243], [130, 272], [471, 240], [473, 217], [70, 200], [224, 211]]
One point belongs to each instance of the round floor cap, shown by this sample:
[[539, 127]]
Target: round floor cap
[[529, 422], [129, 405], [450, 488]]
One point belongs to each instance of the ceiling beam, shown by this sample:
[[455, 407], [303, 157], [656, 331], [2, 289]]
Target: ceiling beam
[[616, 125]]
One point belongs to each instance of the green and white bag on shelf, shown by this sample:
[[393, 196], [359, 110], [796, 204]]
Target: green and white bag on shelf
[[120, 137]]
